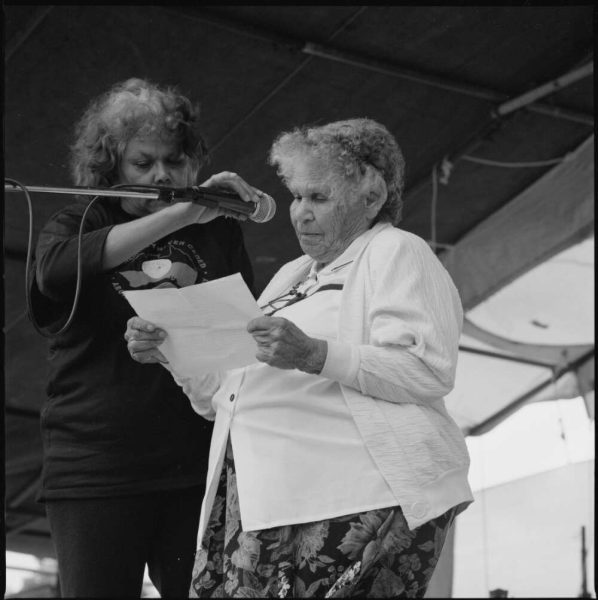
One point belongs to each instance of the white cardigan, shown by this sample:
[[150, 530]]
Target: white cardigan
[[395, 358]]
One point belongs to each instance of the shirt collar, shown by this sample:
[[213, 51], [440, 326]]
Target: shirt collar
[[347, 257]]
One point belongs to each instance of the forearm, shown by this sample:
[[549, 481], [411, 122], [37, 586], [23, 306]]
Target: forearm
[[58, 258], [126, 239], [200, 390]]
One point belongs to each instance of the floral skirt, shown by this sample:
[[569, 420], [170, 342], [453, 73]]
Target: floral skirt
[[368, 554]]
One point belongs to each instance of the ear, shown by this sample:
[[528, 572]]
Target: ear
[[374, 195]]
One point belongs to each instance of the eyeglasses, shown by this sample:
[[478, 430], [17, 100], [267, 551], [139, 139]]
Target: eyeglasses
[[283, 301], [293, 295]]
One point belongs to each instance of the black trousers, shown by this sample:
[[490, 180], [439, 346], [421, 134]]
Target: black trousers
[[103, 544]]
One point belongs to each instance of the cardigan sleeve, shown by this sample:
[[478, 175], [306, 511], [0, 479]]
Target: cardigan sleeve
[[200, 390], [411, 327]]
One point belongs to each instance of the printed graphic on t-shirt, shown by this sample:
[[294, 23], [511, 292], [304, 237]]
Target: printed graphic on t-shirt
[[172, 264]]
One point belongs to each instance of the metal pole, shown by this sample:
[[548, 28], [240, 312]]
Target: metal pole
[[290, 43], [83, 191], [546, 89], [21, 37], [584, 578], [518, 359], [488, 423]]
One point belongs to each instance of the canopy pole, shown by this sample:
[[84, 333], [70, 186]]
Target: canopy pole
[[290, 43], [496, 418], [545, 90]]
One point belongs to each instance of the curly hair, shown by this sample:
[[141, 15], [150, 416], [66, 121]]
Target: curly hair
[[350, 149], [130, 108]]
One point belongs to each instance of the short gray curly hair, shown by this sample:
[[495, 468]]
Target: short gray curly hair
[[349, 147], [129, 108]]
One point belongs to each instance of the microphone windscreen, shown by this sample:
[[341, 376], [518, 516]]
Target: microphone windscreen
[[265, 209]]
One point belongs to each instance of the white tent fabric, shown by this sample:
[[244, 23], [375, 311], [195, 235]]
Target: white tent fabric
[[526, 280], [539, 325], [485, 385], [539, 439], [525, 536], [553, 214], [561, 316]]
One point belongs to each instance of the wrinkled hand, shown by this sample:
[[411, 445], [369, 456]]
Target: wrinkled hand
[[143, 339], [281, 344]]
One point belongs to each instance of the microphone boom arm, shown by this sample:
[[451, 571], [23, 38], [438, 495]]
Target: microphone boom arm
[[149, 194], [209, 197]]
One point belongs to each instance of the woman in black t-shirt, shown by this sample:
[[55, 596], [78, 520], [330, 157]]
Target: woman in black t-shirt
[[124, 453]]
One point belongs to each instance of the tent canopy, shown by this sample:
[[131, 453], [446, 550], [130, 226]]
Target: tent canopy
[[492, 106]]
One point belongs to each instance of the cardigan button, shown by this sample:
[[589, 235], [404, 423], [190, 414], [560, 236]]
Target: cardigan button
[[232, 397], [419, 509]]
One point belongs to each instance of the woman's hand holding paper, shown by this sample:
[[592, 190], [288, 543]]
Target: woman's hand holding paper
[[143, 339]]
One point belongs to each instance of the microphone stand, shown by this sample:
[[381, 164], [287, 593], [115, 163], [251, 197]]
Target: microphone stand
[[208, 197], [148, 194]]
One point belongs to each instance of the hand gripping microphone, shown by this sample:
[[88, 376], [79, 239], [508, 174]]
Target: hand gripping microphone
[[259, 212]]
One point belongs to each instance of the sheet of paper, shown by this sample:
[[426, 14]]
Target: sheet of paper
[[206, 323]]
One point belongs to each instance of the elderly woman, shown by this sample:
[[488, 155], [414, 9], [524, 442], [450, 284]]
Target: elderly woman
[[125, 456], [335, 469]]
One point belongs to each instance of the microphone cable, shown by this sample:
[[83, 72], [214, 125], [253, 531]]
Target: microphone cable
[[16, 183], [45, 332]]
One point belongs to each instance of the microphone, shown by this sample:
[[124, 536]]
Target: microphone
[[259, 212]]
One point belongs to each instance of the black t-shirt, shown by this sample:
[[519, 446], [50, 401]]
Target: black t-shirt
[[112, 426]]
